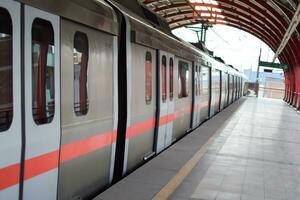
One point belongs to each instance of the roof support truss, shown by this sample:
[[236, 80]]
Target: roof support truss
[[289, 32], [273, 21]]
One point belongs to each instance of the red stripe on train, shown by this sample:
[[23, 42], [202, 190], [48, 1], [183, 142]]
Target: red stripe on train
[[85, 146], [138, 128], [141, 127], [9, 175], [41, 164]]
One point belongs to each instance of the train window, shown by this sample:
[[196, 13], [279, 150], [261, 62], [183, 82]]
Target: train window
[[196, 80], [183, 79], [43, 92], [6, 86], [171, 79], [199, 80], [81, 57], [164, 78], [205, 80], [148, 78]]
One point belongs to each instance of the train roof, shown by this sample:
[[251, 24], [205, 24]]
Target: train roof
[[94, 13], [146, 33], [146, 27]]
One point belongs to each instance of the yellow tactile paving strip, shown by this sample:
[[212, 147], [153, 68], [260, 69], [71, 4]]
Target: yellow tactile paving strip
[[172, 185]]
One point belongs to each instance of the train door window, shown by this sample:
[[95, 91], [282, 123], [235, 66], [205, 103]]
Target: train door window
[[241, 86], [205, 80], [232, 82], [171, 85], [164, 78], [238, 86], [199, 80], [6, 86], [196, 80], [43, 92], [148, 78], [235, 85], [81, 57], [183, 79]]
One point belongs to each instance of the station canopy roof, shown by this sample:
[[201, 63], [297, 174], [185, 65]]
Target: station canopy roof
[[268, 20]]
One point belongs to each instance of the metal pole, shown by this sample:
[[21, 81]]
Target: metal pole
[[197, 32], [201, 32], [204, 39], [257, 74]]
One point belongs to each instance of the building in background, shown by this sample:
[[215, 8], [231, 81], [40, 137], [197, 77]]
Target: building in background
[[271, 82]]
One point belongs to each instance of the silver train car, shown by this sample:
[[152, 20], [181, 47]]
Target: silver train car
[[91, 90]]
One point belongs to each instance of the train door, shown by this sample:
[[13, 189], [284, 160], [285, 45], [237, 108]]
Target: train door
[[197, 100], [221, 105], [166, 100], [239, 86], [205, 92], [88, 110], [231, 88], [42, 103], [223, 90], [210, 90], [228, 90], [10, 101], [171, 104], [213, 96], [218, 90], [236, 88]]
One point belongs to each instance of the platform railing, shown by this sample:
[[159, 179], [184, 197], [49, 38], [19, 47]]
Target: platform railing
[[269, 92]]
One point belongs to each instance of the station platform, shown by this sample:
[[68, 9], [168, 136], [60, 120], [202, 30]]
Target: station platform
[[249, 151]]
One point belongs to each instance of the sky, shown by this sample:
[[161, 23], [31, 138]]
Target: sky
[[234, 46]]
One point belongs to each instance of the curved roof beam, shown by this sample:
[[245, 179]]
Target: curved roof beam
[[288, 5], [262, 8], [265, 10], [287, 10], [270, 15], [270, 41], [278, 34], [230, 6], [251, 9], [245, 7], [233, 19], [282, 57], [268, 11], [252, 17], [286, 13], [292, 27], [228, 12]]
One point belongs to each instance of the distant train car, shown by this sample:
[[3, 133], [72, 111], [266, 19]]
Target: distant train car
[[90, 91]]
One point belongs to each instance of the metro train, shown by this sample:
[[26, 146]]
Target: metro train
[[91, 90]]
